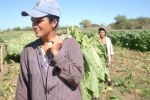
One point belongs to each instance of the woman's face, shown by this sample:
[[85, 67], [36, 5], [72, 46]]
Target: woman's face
[[41, 26], [102, 33]]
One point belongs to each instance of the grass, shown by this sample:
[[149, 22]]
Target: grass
[[6, 36], [8, 81], [130, 75]]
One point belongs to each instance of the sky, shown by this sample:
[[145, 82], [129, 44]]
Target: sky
[[74, 11]]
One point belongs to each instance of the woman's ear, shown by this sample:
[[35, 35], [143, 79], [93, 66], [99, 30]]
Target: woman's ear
[[54, 23]]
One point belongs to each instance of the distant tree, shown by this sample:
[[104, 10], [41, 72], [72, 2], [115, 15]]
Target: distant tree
[[85, 23], [95, 25], [112, 25], [120, 22], [141, 20], [16, 29], [28, 28], [61, 27], [8, 29], [76, 26]]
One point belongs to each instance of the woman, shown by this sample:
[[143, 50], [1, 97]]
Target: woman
[[106, 41], [50, 68]]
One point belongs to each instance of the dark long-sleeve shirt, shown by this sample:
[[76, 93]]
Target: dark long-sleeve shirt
[[61, 82]]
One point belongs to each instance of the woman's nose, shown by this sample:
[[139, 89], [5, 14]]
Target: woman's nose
[[34, 23]]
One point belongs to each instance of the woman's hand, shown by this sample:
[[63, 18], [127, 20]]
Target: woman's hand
[[56, 46]]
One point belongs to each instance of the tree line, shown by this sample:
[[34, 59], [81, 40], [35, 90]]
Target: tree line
[[121, 22]]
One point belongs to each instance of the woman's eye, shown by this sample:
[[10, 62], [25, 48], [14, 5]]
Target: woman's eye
[[36, 20]]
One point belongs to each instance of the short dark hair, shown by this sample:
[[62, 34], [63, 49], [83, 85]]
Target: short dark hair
[[102, 29], [52, 17]]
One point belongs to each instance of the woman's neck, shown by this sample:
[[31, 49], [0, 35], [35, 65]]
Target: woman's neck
[[103, 39], [49, 37]]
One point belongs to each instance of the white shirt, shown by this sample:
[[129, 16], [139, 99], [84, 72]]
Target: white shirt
[[109, 48]]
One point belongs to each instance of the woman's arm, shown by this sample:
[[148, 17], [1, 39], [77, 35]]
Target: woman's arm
[[22, 85], [111, 51], [72, 68]]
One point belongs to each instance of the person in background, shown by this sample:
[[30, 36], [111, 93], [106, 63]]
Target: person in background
[[106, 41], [50, 68]]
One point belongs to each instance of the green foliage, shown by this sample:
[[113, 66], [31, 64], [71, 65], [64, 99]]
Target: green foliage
[[146, 93], [27, 28], [16, 29], [16, 45], [126, 82], [114, 97], [16, 40], [88, 24], [137, 40], [121, 22], [92, 83], [85, 23], [7, 36]]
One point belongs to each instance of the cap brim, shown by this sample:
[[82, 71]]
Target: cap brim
[[33, 13]]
